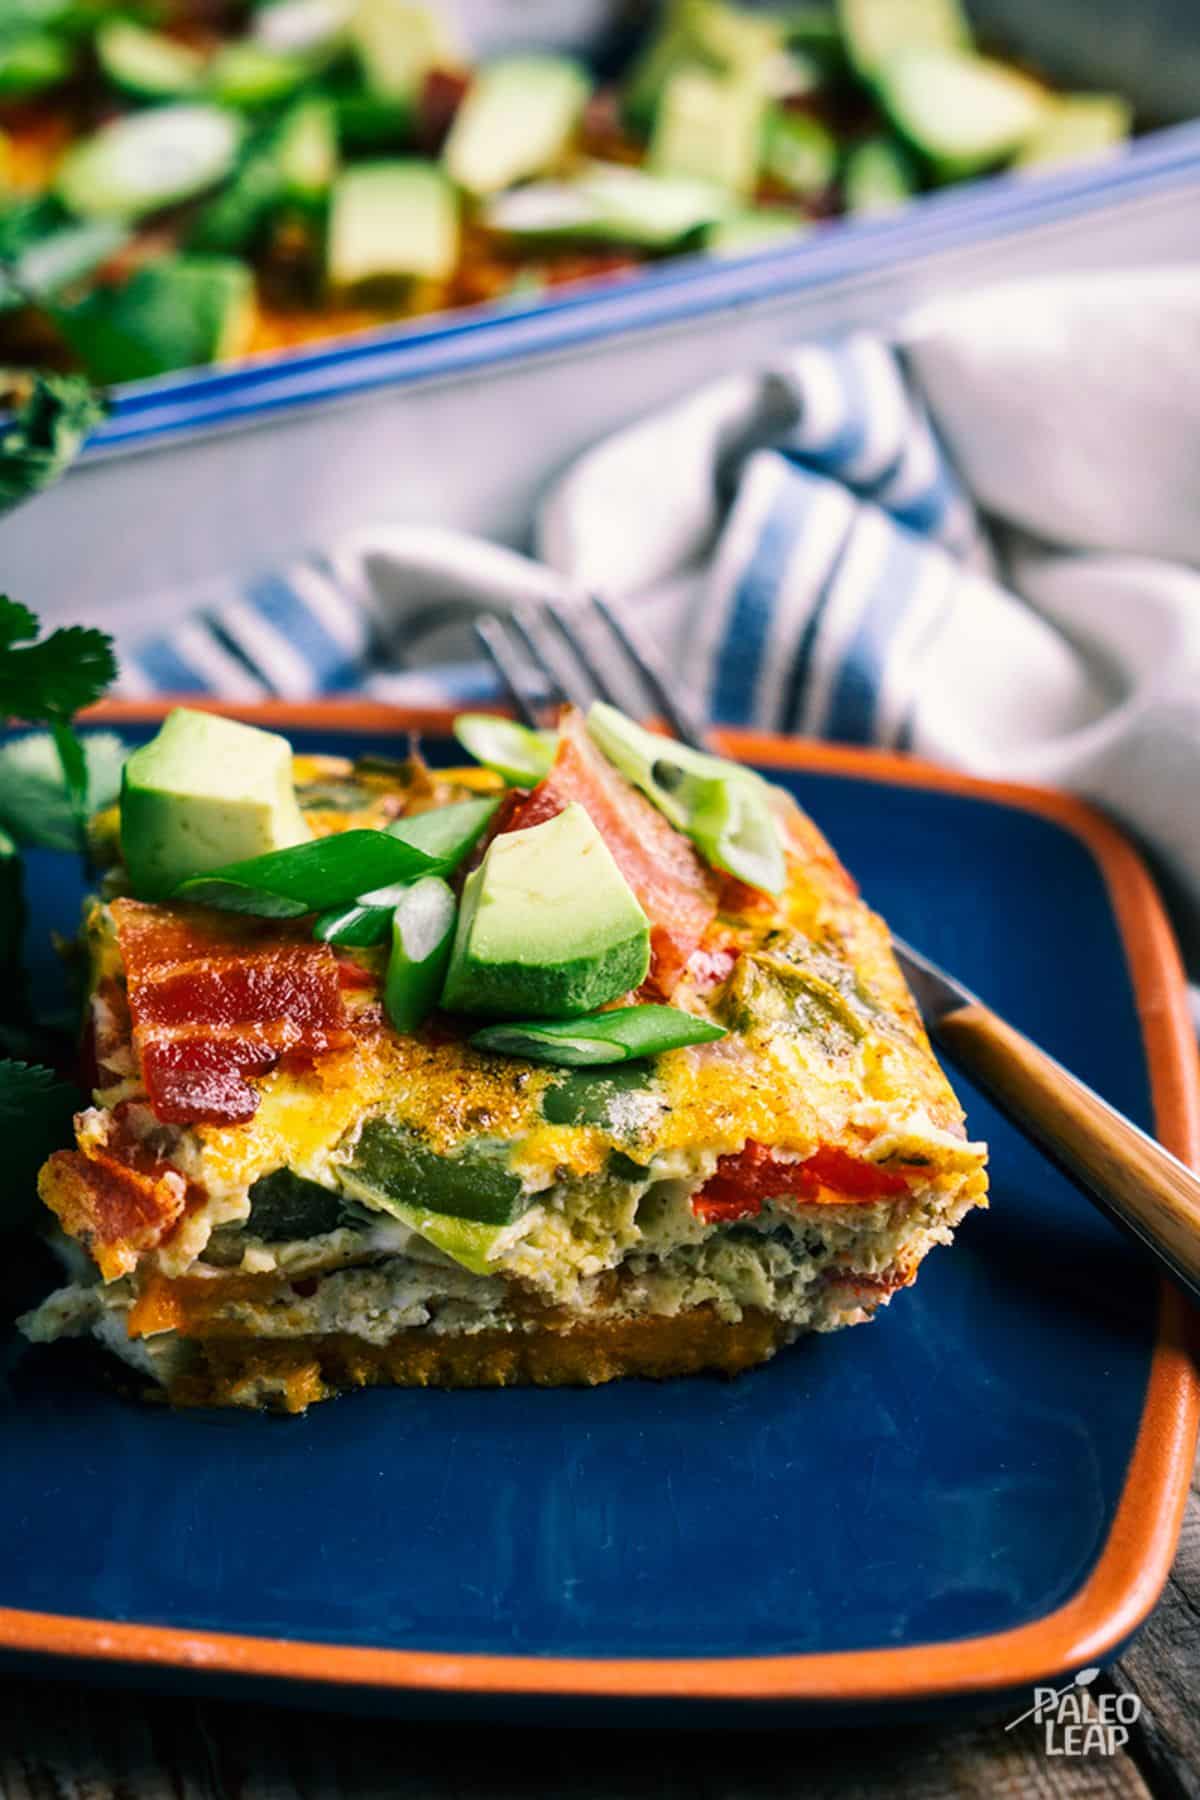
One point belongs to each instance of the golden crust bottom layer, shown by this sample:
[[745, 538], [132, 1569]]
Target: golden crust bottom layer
[[291, 1374]]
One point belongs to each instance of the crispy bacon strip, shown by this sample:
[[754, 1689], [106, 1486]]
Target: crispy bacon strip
[[115, 1210], [677, 890], [214, 999]]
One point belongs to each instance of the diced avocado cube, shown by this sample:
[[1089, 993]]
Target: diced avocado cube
[[1076, 128], [878, 177], [548, 927], [707, 34], [177, 313], [734, 37], [753, 228], [874, 30], [306, 150], [204, 792], [398, 43], [709, 128], [965, 113], [799, 152], [147, 64], [392, 221], [148, 160], [515, 122]]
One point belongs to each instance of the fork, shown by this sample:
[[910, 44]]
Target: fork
[[545, 655]]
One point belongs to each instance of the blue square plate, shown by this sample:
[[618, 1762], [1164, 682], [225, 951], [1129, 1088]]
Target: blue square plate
[[980, 1490]]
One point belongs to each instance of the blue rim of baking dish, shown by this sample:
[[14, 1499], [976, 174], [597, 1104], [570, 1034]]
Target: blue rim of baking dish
[[148, 412]]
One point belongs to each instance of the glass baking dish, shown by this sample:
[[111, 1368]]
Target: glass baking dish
[[460, 418]]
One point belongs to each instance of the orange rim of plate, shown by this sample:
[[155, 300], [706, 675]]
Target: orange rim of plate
[[1133, 1565]]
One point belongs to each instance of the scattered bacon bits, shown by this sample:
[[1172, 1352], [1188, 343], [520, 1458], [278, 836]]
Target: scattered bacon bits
[[115, 1210], [442, 93], [711, 964], [677, 890], [352, 973], [748, 1177], [214, 999]]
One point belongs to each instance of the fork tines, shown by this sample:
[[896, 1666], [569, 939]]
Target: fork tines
[[579, 653]]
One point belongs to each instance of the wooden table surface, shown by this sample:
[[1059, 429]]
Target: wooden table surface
[[60, 1742]]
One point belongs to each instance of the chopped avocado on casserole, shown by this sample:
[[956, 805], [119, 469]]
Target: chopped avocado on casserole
[[426, 1077], [185, 182]]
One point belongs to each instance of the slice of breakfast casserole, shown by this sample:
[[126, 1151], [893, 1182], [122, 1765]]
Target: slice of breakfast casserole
[[584, 1064]]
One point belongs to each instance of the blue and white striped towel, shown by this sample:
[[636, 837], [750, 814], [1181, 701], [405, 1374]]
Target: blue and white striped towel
[[813, 546]]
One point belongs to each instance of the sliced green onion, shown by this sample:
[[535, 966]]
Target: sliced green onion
[[521, 755], [31, 61], [144, 161], [443, 836], [330, 871], [625, 1033], [447, 834], [724, 808], [66, 255], [422, 933], [356, 925], [145, 63], [385, 899]]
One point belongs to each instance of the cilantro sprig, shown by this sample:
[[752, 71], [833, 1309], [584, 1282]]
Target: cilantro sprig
[[47, 682], [44, 680], [44, 431]]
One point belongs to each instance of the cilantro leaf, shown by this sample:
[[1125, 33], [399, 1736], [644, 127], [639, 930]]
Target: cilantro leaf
[[24, 1088], [36, 1110], [17, 623], [46, 682], [35, 806], [68, 670], [45, 432]]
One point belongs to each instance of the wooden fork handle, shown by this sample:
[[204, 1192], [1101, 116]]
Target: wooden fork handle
[[1142, 1185]]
